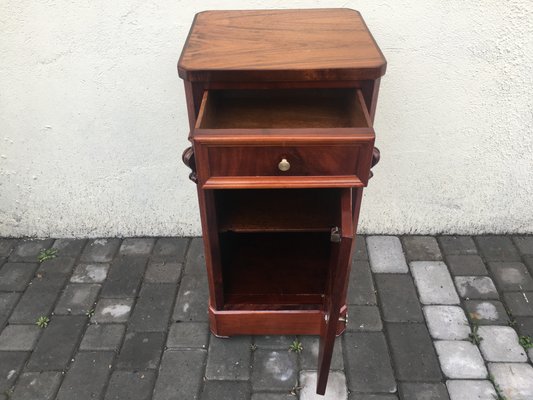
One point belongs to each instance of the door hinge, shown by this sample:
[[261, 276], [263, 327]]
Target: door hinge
[[335, 235]]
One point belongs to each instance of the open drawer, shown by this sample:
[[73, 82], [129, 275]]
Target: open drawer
[[275, 138]]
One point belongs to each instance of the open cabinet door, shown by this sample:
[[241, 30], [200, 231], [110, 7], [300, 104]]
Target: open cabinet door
[[341, 247]]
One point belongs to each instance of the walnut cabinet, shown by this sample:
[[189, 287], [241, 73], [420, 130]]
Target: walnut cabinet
[[281, 106]]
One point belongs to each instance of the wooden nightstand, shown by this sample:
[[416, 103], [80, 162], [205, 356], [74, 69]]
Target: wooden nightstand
[[280, 105]]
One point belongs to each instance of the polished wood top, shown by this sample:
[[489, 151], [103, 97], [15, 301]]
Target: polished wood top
[[280, 45]]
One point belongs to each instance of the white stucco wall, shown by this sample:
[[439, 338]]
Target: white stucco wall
[[93, 117]]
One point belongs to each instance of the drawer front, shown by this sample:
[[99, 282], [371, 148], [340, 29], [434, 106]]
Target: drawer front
[[341, 161], [283, 160]]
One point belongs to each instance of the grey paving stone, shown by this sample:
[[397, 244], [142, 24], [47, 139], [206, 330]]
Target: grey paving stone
[[141, 350], [524, 325], [385, 254], [523, 243], [195, 263], [7, 304], [423, 391], [486, 312], [520, 304], [500, 344], [421, 248], [272, 396], [434, 282], [466, 265], [163, 272], [275, 370], [229, 359], [103, 337], [38, 300], [59, 265], [28, 250], [367, 363], [471, 390], [497, 248], [460, 360], [69, 247], [273, 342], [131, 385], [413, 353], [19, 337], [188, 335], [6, 246], [124, 277], [11, 363], [364, 318], [476, 287], [361, 288], [191, 304], [515, 380], [87, 377], [37, 386], [77, 298], [457, 245], [57, 343], [309, 354], [112, 310], [399, 302], [215, 390], [511, 276], [171, 248], [335, 390], [360, 252], [362, 396], [90, 273], [447, 322], [100, 250], [137, 246], [153, 308], [528, 260], [14, 277], [180, 375]]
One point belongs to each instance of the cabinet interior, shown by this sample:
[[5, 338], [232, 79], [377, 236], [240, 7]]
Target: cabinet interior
[[275, 246]]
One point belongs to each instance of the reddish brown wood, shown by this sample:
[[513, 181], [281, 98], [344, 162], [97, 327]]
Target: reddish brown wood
[[289, 182], [262, 87], [280, 45], [265, 322], [337, 277], [189, 161], [274, 210]]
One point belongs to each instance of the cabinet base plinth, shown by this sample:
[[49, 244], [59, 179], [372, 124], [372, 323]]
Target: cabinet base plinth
[[276, 322]]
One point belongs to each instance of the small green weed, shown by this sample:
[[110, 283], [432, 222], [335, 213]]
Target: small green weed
[[42, 321], [474, 336], [526, 342], [296, 346], [47, 254], [253, 347], [499, 394], [295, 390], [90, 313]]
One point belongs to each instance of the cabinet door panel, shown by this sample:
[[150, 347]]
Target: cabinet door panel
[[341, 247]]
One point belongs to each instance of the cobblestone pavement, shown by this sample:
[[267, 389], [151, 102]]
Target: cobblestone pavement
[[430, 318]]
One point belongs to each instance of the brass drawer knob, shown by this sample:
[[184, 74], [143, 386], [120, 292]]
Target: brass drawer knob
[[284, 165]]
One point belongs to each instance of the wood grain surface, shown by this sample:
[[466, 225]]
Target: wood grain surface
[[280, 45]]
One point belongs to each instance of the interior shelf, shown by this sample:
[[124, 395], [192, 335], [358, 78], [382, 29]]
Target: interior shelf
[[274, 269], [277, 210]]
